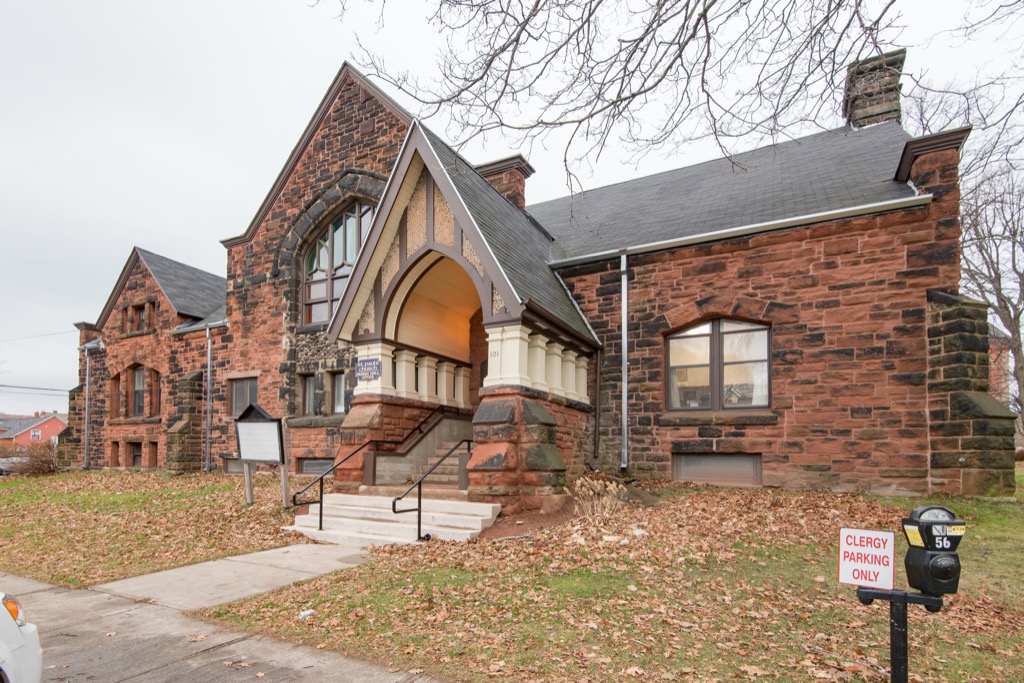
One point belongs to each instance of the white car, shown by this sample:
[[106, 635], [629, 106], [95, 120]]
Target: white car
[[21, 658]]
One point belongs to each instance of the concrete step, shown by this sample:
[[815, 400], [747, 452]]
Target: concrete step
[[386, 531], [350, 538], [342, 513], [432, 504], [365, 520]]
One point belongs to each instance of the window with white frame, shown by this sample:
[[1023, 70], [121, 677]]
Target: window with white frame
[[718, 365]]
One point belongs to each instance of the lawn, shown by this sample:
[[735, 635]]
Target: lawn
[[710, 585], [82, 528]]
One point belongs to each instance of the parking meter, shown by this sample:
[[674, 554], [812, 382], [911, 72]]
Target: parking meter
[[933, 567]]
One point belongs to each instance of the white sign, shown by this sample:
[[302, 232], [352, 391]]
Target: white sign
[[866, 558], [259, 441]]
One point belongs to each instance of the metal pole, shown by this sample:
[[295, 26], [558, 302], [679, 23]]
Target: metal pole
[[898, 638], [625, 362], [321, 511], [207, 460], [419, 511], [85, 454], [247, 468]]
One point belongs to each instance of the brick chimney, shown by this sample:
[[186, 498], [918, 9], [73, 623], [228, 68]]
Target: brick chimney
[[873, 89], [508, 176]]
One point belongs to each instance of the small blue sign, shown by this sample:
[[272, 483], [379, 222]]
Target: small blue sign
[[368, 369]]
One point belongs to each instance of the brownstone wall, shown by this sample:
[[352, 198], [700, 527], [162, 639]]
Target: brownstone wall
[[174, 357], [528, 446], [972, 433], [847, 306], [348, 158]]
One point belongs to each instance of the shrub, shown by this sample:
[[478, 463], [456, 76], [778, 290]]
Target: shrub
[[597, 500], [34, 460]]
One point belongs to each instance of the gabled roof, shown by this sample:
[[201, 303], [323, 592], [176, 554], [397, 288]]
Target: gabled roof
[[347, 71], [11, 427], [191, 292], [520, 246], [836, 169], [515, 247]]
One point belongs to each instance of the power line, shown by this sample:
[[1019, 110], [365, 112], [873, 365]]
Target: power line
[[38, 389], [38, 336]]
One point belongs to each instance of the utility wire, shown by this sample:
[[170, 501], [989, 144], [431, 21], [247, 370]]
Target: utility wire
[[38, 336], [15, 386]]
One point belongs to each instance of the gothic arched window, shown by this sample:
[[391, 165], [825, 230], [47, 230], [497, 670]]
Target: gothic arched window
[[329, 261]]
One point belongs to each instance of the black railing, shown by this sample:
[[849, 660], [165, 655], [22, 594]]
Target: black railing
[[439, 410], [418, 485], [320, 480]]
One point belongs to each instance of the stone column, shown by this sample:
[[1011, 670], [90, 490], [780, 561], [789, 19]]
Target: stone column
[[569, 374], [538, 361], [374, 364], [426, 368], [582, 386], [462, 387], [446, 383], [554, 370], [405, 374], [508, 356]]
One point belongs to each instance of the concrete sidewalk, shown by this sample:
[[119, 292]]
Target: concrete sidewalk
[[208, 584], [133, 630]]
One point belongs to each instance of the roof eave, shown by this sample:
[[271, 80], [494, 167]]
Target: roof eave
[[950, 139], [199, 327]]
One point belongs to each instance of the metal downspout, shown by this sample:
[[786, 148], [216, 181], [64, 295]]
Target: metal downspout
[[598, 369], [207, 464], [88, 372], [624, 464]]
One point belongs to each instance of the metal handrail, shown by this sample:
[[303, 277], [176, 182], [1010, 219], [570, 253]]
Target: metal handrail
[[439, 410], [418, 485], [320, 480]]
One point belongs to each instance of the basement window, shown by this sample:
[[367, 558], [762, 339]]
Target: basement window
[[722, 470], [314, 465]]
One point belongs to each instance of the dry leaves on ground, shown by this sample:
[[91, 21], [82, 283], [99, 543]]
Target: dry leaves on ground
[[84, 528], [714, 585]]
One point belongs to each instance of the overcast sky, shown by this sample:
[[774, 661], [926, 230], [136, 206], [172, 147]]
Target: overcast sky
[[163, 125]]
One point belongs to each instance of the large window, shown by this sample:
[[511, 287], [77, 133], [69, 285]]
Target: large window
[[718, 365], [243, 393], [329, 262], [312, 394], [340, 392], [115, 396], [139, 391]]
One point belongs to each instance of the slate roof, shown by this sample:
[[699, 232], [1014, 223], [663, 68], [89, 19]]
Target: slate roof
[[521, 247], [193, 292], [12, 426], [836, 169]]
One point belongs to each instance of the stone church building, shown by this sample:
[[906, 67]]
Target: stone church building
[[788, 317]]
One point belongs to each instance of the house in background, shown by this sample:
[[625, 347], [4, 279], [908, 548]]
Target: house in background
[[25, 431], [1000, 378], [789, 317]]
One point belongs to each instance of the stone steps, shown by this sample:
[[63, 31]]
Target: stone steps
[[365, 520], [447, 473]]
